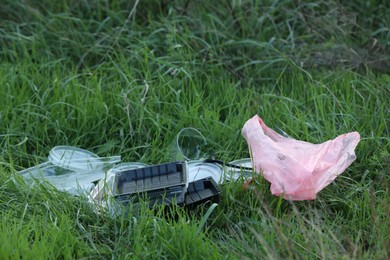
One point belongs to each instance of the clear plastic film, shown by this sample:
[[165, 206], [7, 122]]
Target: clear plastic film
[[71, 169]]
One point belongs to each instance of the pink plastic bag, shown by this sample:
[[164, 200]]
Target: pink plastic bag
[[297, 169]]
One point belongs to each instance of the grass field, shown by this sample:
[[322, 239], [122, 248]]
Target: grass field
[[123, 77]]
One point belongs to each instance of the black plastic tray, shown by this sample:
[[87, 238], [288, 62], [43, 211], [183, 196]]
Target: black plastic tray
[[201, 191], [158, 183]]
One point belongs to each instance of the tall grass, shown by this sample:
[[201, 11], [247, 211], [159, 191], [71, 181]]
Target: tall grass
[[123, 77]]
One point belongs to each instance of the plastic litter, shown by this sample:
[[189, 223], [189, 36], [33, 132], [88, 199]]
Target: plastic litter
[[104, 187], [161, 183], [199, 170], [296, 169], [218, 171], [202, 190], [71, 169], [187, 183], [188, 145]]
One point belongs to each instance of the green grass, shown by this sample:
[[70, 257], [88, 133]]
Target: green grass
[[124, 77]]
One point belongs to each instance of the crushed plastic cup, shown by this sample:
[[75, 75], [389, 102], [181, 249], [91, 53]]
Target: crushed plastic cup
[[71, 169], [188, 145]]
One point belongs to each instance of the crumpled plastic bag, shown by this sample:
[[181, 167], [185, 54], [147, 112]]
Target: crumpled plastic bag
[[296, 169]]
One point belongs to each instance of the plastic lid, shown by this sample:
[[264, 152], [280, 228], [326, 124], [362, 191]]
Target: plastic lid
[[198, 170], [77, 159]]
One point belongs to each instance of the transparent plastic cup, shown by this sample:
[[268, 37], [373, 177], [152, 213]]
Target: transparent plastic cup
[[71, 169], [188, 145]]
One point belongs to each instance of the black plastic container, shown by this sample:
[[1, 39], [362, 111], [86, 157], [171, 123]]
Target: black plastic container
[[163, 183], [201, 191]]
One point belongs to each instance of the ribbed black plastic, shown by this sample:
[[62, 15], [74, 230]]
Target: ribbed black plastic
[[159, 183], [201, 190]]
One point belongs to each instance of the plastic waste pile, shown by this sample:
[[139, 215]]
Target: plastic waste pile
[[108, 182], [297, 170]]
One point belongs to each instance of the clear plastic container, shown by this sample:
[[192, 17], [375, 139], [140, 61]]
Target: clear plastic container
[[71, 169], [104, 189]]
